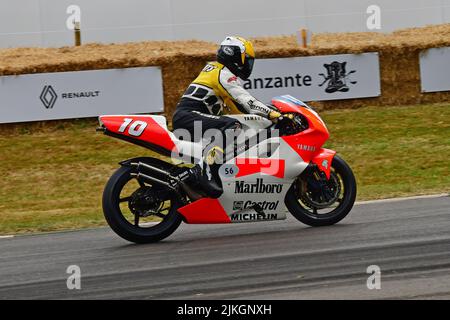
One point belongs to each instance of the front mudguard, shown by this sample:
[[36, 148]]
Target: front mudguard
[[323, 160]]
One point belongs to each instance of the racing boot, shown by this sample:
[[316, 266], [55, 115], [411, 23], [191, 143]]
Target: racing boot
[[199, 176]]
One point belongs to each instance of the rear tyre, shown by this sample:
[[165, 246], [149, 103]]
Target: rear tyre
[[133, 230], [308, 211]]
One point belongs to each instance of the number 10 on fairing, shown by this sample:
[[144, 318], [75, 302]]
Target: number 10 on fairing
[[136, 129]]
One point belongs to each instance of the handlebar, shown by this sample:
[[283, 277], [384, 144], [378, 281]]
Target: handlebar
[[296, 122]]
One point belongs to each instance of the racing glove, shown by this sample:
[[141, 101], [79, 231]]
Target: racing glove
[[274, 115]]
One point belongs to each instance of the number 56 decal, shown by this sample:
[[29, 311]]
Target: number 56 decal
[[135, 129]]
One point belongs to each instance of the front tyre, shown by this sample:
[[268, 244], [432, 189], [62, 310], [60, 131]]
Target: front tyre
[[315, 208], [139, 212]]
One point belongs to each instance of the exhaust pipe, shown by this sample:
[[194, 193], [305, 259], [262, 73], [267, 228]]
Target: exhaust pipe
[[193, 195], [141, 165], [150, 179]]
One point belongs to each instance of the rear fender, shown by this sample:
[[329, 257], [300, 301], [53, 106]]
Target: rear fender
[[323, 160]]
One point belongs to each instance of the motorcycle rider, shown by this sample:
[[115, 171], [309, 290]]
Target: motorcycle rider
[[215, 88]]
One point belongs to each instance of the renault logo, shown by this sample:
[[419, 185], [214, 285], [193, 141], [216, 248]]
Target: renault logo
[[48, 97]]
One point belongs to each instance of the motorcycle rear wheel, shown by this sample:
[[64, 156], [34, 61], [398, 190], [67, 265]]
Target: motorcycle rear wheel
[[307, 214], [116, 217]]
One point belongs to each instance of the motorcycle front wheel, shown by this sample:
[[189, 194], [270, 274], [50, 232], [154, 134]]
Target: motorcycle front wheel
[[312, 208], [136, 211]]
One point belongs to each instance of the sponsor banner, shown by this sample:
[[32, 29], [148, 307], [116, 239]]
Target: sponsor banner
[[63, 95], [435, 69], [316, 78]]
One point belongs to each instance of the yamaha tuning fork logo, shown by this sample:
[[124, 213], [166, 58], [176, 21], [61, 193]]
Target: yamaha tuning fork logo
[[48, 97]]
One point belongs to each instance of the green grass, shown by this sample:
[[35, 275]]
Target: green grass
[[52, 179]]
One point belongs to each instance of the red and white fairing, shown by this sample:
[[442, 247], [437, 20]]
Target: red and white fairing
[[261, 179]]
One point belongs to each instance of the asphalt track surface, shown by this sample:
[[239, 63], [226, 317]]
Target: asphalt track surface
[[408, 239]]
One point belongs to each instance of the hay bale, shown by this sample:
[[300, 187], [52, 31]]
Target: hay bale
[[182, 60]]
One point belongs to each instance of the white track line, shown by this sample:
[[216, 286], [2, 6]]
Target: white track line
[[429, 196], [6, 237]]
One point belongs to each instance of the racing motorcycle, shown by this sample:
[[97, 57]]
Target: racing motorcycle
[[145, 200]]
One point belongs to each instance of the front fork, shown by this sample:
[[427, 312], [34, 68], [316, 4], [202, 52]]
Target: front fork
[[314, 181]]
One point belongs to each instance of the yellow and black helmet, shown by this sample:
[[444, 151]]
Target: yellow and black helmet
[[237, 54]]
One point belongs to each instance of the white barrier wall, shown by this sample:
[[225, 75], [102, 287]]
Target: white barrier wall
[[435, 69], [43, 22], [64, 95]]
